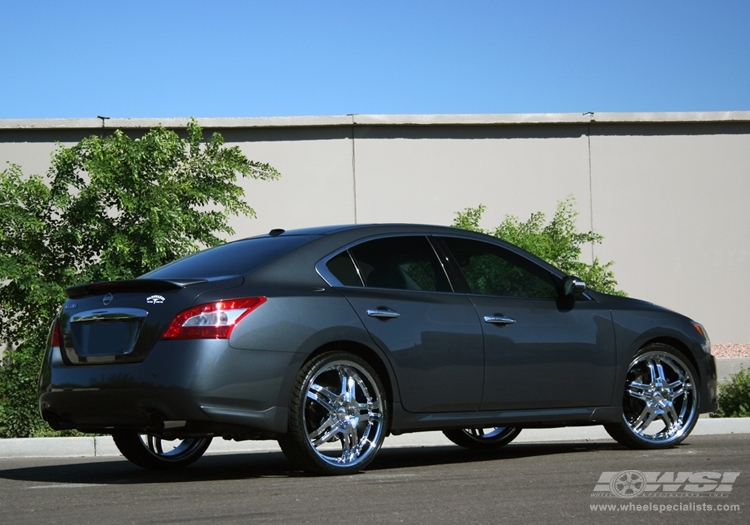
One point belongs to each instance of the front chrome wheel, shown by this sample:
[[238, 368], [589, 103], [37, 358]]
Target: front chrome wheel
[[660, 402], [337, 420], [482, 438]]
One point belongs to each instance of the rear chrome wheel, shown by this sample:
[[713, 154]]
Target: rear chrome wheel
[[660, 402], [148, 451], [337, 415], [482, 438]]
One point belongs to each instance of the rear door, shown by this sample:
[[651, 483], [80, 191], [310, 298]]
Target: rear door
[[399, 289]]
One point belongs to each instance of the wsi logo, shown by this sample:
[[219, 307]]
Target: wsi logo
[[632, 483], [155, 299]]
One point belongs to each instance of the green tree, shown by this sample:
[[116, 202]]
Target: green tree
[[111, 207], [558, 242]]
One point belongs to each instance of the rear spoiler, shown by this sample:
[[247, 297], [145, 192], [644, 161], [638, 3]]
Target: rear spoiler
[[129, 285]]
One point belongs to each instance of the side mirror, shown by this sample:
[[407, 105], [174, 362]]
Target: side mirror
[[573, 286]]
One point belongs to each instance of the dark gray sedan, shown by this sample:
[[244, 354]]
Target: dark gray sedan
[[329, 339]]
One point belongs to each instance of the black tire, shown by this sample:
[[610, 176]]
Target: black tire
[[338, 415], [487, 438], [148, 451], [660, 400]]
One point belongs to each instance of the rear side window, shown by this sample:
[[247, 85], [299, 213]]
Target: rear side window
[[400, 263], [342, 267], [234, 258]]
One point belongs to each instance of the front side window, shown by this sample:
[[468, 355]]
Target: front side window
[[492, 270], [400, 263]]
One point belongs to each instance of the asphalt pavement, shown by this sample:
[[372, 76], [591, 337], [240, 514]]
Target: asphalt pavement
[[540, 483]]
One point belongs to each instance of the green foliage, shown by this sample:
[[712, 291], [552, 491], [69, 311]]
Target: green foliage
[[558, 242], [111, 207], [734, 396]]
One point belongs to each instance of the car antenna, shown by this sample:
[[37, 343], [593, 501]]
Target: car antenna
[[276, 232]]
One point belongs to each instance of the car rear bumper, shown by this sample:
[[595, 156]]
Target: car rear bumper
[[199, 387]]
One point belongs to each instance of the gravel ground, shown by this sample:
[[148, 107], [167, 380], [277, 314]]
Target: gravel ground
[[732, 351]]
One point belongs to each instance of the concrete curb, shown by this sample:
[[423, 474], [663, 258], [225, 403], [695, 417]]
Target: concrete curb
[[727, 367], [103, 446]]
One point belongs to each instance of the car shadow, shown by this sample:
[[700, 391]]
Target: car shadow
[[214, 467]]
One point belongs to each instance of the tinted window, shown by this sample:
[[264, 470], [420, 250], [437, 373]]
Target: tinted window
[[403, 263], [234, 258], [492, 270], [344, 270]]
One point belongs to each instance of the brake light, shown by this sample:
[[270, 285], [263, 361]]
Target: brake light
[[211, 320], [55, 335]]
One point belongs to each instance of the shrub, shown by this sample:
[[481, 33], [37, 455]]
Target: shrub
[[734, 396]]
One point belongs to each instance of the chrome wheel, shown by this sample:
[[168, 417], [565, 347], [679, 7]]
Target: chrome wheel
[[660, 403], [148, 451], [486, 438], [337, 416]]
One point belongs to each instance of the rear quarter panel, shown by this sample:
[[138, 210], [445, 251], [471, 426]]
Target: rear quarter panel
[[299, 324]]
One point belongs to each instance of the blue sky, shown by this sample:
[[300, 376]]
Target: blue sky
[[220, 58]]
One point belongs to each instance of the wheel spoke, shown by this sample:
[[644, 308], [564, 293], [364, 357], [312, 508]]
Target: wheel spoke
[[678, 389], [670, 418], [364, 441], [322, 396], [646, 417], [325, 431], [660, 371], [637, 390], [344, 378], [349, 441], [154, 444]]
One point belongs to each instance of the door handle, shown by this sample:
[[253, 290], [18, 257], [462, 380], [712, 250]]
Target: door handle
[[383, 313], [498, 319]]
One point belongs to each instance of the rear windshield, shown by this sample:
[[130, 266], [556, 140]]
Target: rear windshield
[[234, 258]]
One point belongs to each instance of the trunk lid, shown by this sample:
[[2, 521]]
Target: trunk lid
[[121, 321]]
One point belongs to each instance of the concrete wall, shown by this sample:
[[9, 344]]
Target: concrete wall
[[669, 192]]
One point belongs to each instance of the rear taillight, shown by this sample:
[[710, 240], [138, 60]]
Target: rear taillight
[[55, 335], [211, 320]]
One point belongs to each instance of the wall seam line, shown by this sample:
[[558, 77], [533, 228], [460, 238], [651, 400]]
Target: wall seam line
[[354, 172], [591, 189]]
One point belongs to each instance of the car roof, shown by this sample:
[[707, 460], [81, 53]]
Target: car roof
[[379, 227], [330, 239]]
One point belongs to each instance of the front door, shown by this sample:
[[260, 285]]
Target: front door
[[541, 350]]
